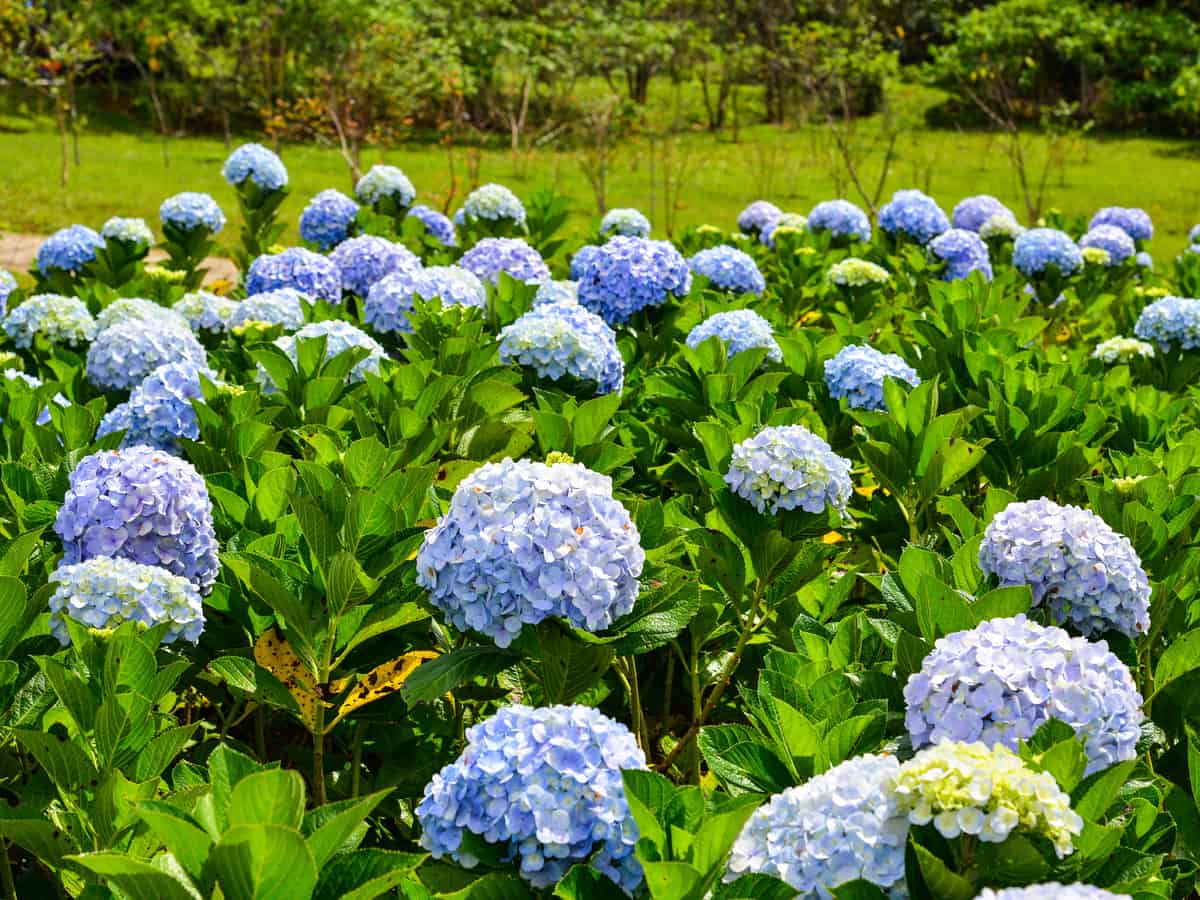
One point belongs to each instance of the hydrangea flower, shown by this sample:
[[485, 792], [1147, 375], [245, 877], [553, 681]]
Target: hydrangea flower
[[914, 215], [855, 273], [68, 249], [143, 505], [1001, 680], [130, 231], [385, 181], [364, 260], [556, 292], [1122, 349], [729, 269], [840, 826], [789, 467], [544, 784], [309, 273], [557, 339], [513, 256], [842, 219], [582, 259], [191, 210], [1167, 321], [160, 409], [35, 383], [1145, 260], [125, 308], [757, 216], [1096, 256], [493, 203], [281, 307], [1112, 240], [8, 284], [524, 541], [1134, 222], [1039, 249], [59, 319], [102, 593], [1088, 575], [963, 252], [260, 165], [740, 329], [967, 788], [339, 337], [1001, 226], [391, 299], [1194, 235], [436, 224], [328, 218], [116, 419], [626, 221], [972, 212], [627, 275], [858, 372], [205, 311], [1052, 890], [789, 222], [125, 353]]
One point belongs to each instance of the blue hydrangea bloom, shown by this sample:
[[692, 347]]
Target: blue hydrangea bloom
[[328, 218], [963, 252], [1168, 321], [839, 826], [1052, 890], [491, 256], [524, 541], [68, 249], [1111, 239], [191, 210], [129, 231], [627, 221], [116, 419], [492, 203], [1086, 574], [125, 308], [729, 269], [1133, 221], [391, 299], [205, 311], [793, 221], [1194, 235], [436, 224], [102, 593], [582, 259], [144, 505], [125, 353], [59, 319], [858, 372], [757, 216], [557, 339], [627, 275], [160, 409], [740, 329], [1001, 680], [364, 260], [339, 337], [309, 273], [260, 165], [35, 383], [284, 306], [914, 215], [556, 292], [789, 467], [972, 212], [1145, 260], [1038, 249], [546, 785], [8, 284], [385, 181], [841, 218]]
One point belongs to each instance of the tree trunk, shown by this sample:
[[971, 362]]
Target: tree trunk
[[60, 119], [73, 120]]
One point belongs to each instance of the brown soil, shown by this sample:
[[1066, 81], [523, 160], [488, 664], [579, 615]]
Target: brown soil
[[18, 252]]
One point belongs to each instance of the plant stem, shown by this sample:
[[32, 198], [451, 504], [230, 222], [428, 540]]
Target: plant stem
[[635, 698], [360, 733], [6, 875], [318, 775]]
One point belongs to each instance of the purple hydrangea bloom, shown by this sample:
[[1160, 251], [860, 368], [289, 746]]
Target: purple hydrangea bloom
[[963, 252], [1038, 249], [68, 250], [160, 411], [842, 219], [556, 292], [385, 181], [339, 337], [513, 256], [391, 299], [858, 372], [914, 215], [190, 211], [284, 306], [59, 319], [557, 339], [740, 329], [116, 419], [1112, 240], [205, 311], [729, 269], [627, 275], [626, 221], [328, 218], [1145, 260], [972, 212], [1051, 891], [309, 273], [1133, 221], [125, 308], [364, 260], [122, 355], [492, 203], [1168, 321], [757, 216], [789, 467], [582, 259], [260, 165], [437, 225], [793, 221]]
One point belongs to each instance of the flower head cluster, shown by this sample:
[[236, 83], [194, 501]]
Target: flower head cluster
[[546, 785], [757, 216], [789, 223], [103, 593], [963, 252], [493, 203], [144, 505], [1111, 239], [1001, 226], [626, 221], [914, 215], [841, 218], [740, 329], [58, 319], [564, 339], [260, 165], [524, 541], [1000, 681], [129, 231], [1133, 221], [1169, 321], [513, 256], [8, 284], [789, 467], [436, 225], [1088, 575], [729, 269], [190, 211], [582, 259], [972, 212], [1039, 249], [125, 353], [68, 249], [1096, 256], [627, 275], [116, 419], [205, 311], [309, 273], [35, 383], [160, 409], [1122, 349], [364, 260], [391, 299], [858, 372], [284, 306], [556, 292], [328, 218], [840, 826], [1052, 890], [125, 308], [385, 181], [967, 788], [339, 337], [1145, 260], [856, 273]]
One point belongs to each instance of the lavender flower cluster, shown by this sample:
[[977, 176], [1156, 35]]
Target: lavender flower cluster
[[128, 231], [740, 329], [512, 256], [284, 307], [1052, 890], [125, 308], [1114, 241], [914, 215], [840, 218], [125, 353], [858, 372], [309, 273], [58, 319], [339, 337], [963, 252], [556, 292], [786, 223], [365, 259], [788, 467], [625, 221], [190, 211], [1039, 249], [390, 300], [68, 250], [564, 339], [206, 312], [972, 212], [260, 165], [1170, 321], [328, 219], [436, 225], [757, 216], [1133, 221], [627, 275], [729, 269], [160, 412]]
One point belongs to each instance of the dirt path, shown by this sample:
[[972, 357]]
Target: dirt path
[[18, 252]]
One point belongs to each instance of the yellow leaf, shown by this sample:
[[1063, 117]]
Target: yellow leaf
[[866, 490], [382, 681], [811, 316], [831, 537], [274, 654]]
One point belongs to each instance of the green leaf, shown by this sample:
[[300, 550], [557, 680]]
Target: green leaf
[[444, 674], [493, 886], [263, 862], [153, 760], [648, 794], [1014, 861], [364, 874], [15, 561], [1096, 794], [569, 666], [660, 613], [65, 763], [79, 700], [273, 797], [755, 887], [1002, 603], [333, 833], [1181, 656], [139, 880], [583, 882], [42, 838], [179, 833], [671, 880], [716, 835], [942, 883], [593, 417], [273, 494]]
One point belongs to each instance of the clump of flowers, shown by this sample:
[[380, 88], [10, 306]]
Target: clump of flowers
[[1133, 221], [967, 788], [627, 275], [1144, 260], [963, 252], [390, 301], [757, 216], [436, 225], [128, 231], [385, 181], [1001, 226], [1096, 256], [545, 784], [1001, 680], [191, 211], [564, 339], [116, 419], [626, 221], [556, 292], [787, 223], [160, 410], [8, 284], [68, 250], [259, 164], [1169, 321], [788, 467], [858, 372], [914, 215], [1086, 574], [125, 308], [842, 219], [1122, 349], [856, 273], [582, 259], [143, 505], [557, 544], [102, 593], [493, 203], [1040, 249], [125, 353], [1052, 890], [328, 219], [513, 256], [365, 259], [206, 312], [309, 273], [339, 337], [840, 826], [972, 213], [740, 329], [729, 269], [58, 319], [1112, 240]]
